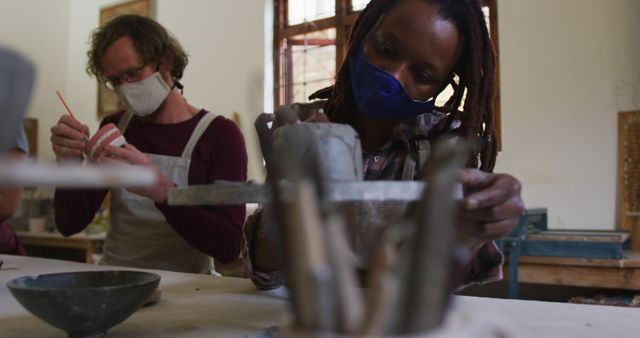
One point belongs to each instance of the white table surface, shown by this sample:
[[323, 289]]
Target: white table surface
[[195, 305]]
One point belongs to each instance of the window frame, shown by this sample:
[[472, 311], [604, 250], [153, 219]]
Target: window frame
[[342, 22]]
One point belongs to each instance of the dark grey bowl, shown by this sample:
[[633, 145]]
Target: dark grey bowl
[[87, 303]]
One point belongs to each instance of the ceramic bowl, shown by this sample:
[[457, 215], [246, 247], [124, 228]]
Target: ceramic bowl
[[87, 303]]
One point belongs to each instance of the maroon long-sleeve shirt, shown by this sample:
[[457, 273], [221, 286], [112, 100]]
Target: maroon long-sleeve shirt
[[9, 242], [220, 154]]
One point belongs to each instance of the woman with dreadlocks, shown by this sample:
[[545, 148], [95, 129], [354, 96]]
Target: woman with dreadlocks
[[402, 54]]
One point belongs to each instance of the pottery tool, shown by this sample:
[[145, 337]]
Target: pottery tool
[[228, 192], [308, 269], [427, 281], [383, 289], [66, 106], [70, 175], [409, 290], [297, 228], [349, 301], [310, 273]]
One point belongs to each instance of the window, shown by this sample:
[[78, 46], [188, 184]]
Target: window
[[310, 43]]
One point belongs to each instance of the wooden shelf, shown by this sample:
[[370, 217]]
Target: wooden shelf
[[583, 272], [81, 241]]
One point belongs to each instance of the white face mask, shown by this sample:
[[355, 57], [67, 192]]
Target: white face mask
[[145, 96]]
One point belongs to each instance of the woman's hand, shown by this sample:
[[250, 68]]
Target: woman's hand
[[492, 204], [68, 138], [129, 154]]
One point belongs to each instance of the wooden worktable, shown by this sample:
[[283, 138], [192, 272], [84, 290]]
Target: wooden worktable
[[584, 272], [205, 306], [80, 241]]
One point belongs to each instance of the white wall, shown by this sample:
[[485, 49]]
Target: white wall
[[226, 72], [568, 67], [81, 93]]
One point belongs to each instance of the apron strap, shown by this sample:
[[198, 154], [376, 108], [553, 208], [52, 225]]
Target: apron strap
[[202, 126]]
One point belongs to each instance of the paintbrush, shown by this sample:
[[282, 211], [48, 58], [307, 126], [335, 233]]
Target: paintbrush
[[349, 306], [66, 106]]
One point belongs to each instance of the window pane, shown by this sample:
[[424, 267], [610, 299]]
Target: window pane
[[308, 64], [487, 17], [446, 94], [309, 10], [358, 5]]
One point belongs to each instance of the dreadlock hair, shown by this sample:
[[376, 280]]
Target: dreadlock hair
[[152, 41], [475, 72]]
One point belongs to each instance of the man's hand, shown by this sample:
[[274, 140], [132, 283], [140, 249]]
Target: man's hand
[[67, 138], [129, 154]]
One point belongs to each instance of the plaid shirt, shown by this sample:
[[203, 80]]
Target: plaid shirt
[[387, 163]]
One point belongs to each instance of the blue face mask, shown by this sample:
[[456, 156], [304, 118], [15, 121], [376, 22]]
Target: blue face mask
[[379, 94]]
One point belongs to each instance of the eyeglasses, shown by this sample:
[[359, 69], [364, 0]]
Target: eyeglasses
[[131, 75]]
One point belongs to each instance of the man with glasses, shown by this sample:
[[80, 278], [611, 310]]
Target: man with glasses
[[141, 61]]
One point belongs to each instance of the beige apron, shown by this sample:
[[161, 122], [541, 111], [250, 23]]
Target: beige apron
[[139, 235]]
